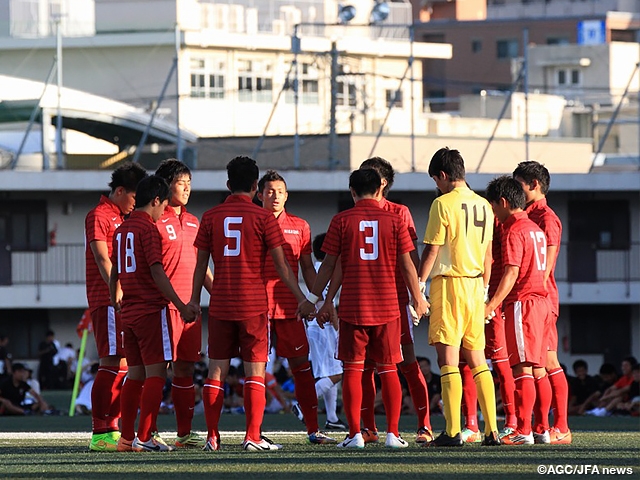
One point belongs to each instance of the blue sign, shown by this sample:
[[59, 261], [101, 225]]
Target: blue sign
[[592, 32]]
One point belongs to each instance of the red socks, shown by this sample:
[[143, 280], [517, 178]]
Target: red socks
[[524, 399], [184, 397], [305, 390], [419, 393], [542, 404], [368, 389], [130, 402], [102, 395], [255, 399], [149, 406], [213, 399], [391, 396], [352, 395], [560, 389], [116, 391], [469, 398], [507, 389]]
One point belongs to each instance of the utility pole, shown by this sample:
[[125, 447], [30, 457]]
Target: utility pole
[[59, 159], [525, 40], [333, 136], [178, 133]]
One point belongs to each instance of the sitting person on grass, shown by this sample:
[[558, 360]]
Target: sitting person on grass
[[13, 392]]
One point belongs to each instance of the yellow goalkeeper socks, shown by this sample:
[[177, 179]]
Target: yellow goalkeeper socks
[[451, 383], [486, 397]]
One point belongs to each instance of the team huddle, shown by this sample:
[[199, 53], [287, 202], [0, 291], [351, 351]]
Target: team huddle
[[491, 295]]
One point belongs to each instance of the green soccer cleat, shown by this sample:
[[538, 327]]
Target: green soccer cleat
[[104, 442], [190, 440]]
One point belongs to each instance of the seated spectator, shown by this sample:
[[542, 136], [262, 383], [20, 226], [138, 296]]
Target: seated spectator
[[5, 358], [631, 405], [617, 392], [13, 392], [433, 385], [581, 388]]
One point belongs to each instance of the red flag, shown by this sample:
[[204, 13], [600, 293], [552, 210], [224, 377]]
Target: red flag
[[84, 323]]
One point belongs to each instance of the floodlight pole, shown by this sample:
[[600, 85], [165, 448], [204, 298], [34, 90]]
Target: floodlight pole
[[333, 136], [412, 109], [525, 40], [178, 132], [295, 47], [59, 106]]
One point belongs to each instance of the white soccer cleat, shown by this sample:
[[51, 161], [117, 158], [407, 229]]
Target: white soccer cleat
[[151, 445], [352, 442], [264, 445], [395, 442], [542, 438]]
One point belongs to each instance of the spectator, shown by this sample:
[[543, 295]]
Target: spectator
[[618, 392], [47, 350], [66, 357], [83, 401], [433, 385], [631, 405], [5, 358], [13, 391], [581, 388]]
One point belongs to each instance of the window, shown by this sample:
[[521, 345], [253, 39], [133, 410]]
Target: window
[[507, 48], [308, 81], [347, 93], [390, 95], [476, 46], [255, 83], [568, 77], [557, 41], [207, 78], [25, 227]]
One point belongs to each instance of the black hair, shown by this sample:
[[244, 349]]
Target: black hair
[[127, 176], [365, 181], [508, 188], [580, 364], [149, 188], [530, 171], [171, 169], [447, 161], [423, 359], [608, 369], [242, 172], [632, 360], [317, 246], [384, 168], [270, 176]]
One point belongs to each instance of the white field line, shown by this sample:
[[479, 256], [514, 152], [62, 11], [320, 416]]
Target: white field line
[[87, 435]]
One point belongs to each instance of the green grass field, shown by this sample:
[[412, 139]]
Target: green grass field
[[56, 447]]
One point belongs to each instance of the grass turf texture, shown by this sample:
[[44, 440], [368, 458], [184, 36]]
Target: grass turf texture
[[55, 447]]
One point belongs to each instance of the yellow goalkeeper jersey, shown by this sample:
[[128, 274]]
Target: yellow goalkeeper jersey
[[461, 222]]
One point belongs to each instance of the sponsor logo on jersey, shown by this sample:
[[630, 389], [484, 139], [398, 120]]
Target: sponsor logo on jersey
[[291, 231]]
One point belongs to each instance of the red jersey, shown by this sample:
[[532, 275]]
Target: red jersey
[[99, 225], [405, 215], [136, 246], [369, 241], [179, 256], [542, 215], [297, 238], [238, 234], [524, 245], [497, 268]]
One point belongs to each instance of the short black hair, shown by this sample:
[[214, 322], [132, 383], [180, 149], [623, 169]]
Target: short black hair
[[127, 176], [608, 369], [317, 246], [384, 168], [532, 170], [580, 364], [171, 169], [365, 181], [149, 188], [632, 360], [508, 188], [270, 176], [242, 172], [447, 161]]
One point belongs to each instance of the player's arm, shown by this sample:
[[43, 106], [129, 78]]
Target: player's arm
[[199, 274], [335, 283], [410, 277], [507, 282], [42, 404], [164, 285], [486, 275], [208, 280], [100, 253], [307, 307], [552, 256], [286, 274], [415, 258], [10, 407], [428, 259], [308, 270], [115, 290]]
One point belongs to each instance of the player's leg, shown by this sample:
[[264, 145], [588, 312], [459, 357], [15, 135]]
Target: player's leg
[[524, 399], [560, 432], [367, 406], [451, 383], [156, 375], [131, 390], [331, 405], [470, 432], [485, 387], [542, 405]]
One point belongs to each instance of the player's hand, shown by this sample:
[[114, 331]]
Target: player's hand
[[306, 309], [489, 314], [486, 295], [190, 312], [419, 309]]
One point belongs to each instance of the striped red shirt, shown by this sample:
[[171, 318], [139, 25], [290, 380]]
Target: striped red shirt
[[542, 215], [405, 215], [369, 241], [497, 269], [179, 256], [136, 246], [238, 234], [297, 238], [99, 225], [524, 245]]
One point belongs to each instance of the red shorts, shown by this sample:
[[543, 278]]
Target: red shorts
[[495, 339], [524, 330], [551, 333], [248, 339], [107, 330], [289, 337], [148, 339], [187, 337], [377, 343], [406, 326]]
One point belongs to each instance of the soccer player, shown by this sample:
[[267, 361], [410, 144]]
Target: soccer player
[[409, 365], [370, 243], [523, 296], [100, 224], [457, 257], [551, 386], [286, 331], [178, 229], [139, 279], [238, 235]]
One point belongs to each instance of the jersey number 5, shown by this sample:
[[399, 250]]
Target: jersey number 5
[[369, 253], [129, 255], [232, 234]]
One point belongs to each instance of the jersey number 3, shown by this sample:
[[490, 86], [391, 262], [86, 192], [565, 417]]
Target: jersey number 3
[[370, 252]]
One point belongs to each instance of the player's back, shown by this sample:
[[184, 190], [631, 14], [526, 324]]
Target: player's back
[[238, 234], [369, 240], [462, 227]]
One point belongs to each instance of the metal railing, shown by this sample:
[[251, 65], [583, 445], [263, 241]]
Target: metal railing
[[61, 264]]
